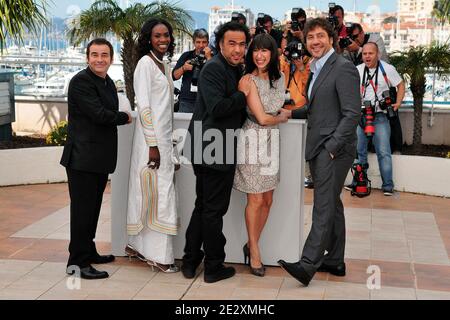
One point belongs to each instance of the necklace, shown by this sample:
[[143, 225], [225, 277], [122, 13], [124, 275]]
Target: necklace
[[154, 56]]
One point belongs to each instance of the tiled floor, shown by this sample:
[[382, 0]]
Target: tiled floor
[[406, 238]]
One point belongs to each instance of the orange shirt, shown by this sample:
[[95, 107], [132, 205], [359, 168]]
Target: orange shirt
[[297, 87]]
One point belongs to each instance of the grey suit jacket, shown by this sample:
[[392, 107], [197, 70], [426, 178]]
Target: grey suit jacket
[[334, 109]]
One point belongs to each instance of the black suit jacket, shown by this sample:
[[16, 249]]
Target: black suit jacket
[[219, 106], [333, 110], [92, 124]]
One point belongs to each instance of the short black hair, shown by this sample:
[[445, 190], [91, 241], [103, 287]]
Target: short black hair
[[100, 41], [301, 13], [338, 7], [356, 26], [268, 18], [320, 23], [264, 41], [231, 26]]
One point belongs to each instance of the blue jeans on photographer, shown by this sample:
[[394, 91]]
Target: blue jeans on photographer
[[381, 142], [186, 106]]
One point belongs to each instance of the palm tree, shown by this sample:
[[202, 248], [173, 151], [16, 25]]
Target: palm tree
[[17, 17], [442, 11], [106, 16], [413, 64]]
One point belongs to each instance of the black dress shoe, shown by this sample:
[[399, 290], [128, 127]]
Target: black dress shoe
[[222, 274], [188, 271], [98, 259], [338, 270], [296, 270], [88, 272]]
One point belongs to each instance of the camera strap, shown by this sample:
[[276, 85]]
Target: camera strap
[[365, 83], [384, 74]]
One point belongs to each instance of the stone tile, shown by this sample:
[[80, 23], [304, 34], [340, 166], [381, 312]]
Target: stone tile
[[161, 291], [208, 293], [432, 295], [243, 293], [263, 283], [20, 294], [346, 291], [392, 293], [291, 289]]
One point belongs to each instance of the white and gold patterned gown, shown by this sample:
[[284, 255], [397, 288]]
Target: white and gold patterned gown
[[152, 215]]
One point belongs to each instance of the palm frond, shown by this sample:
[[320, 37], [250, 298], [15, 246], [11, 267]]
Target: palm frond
[[22, 16]]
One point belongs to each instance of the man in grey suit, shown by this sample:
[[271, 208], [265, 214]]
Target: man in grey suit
[[333, 113]]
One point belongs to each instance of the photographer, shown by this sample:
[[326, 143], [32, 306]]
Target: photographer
[[264, 23], [294, 63], [357, 39], [189, 66], [294, 28], [378, 79], [337, 12]]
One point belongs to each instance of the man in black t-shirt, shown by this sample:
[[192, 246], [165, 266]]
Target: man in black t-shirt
[[184, 69]]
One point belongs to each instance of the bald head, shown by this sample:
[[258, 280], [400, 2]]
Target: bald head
[[370, 54]]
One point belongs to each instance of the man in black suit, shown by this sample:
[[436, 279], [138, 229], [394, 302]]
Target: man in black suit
[[220, 107], [333, 113], [90, 154]]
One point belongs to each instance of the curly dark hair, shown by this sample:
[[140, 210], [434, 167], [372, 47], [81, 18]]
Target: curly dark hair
[[320, 23], [144, 41], [231, 26], [264, 41]]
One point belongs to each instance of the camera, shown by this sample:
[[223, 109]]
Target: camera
[[345, 42], [288, 101], [260, 24], [197, 62], [332, 19], [295, 15], [368, 118], [294, 50], [386, 104]]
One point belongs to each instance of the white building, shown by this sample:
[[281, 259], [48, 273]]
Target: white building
[[219, 15], [415, 8]]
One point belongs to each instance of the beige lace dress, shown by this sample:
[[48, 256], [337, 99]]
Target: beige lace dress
[[258, 151]]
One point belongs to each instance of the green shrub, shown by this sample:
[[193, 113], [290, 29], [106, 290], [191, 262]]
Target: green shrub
[[58, 135]]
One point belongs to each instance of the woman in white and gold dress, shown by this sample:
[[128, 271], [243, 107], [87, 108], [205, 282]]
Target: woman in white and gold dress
[[152, 212], [257, 171]]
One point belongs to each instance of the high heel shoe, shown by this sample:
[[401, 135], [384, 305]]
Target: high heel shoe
[[171, 268], [246, 251], [260, 272], [133, 253]]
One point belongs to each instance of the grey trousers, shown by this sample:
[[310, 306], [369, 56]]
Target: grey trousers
[[328, 220]]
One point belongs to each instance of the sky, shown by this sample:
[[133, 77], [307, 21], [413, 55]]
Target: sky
[[61, 8]]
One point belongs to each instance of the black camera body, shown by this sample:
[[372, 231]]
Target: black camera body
[[295, 15], [332, 19], [386, 103], [260, 24], [294, 50], [345, 42], [288, 101], [197, 62]]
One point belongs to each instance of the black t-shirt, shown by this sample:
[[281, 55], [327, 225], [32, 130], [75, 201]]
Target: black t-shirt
[[277, 35], [186, 81]]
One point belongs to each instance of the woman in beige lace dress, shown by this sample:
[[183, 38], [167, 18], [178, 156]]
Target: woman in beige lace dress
[[257, 172]]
